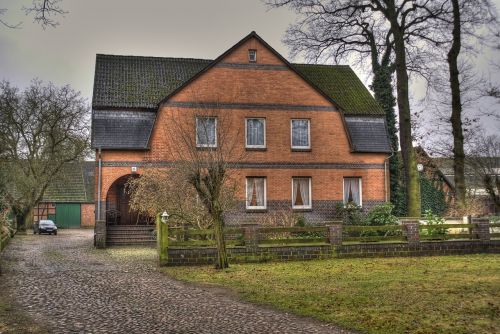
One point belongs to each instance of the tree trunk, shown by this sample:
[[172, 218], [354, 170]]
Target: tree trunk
[[456, 108], [222, 261], [405, 133], [24, 220]]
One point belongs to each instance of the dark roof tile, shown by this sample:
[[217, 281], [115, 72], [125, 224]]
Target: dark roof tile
[[122, 129], [368, 134]]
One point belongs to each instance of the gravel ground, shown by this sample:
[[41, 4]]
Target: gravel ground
[[63, 282]]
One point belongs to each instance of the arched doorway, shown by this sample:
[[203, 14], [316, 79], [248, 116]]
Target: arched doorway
[[118, 210]]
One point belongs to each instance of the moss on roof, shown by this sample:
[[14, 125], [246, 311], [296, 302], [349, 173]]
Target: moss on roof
[[343, 86], [142, 82]]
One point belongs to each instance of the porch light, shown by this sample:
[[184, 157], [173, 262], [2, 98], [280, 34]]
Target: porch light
[[164, 217]]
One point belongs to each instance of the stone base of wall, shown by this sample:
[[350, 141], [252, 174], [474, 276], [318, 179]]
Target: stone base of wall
[[198, 256], [320, 212], [422, 249], [201, 256]]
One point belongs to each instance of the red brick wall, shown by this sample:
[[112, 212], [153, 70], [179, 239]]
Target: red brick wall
[[220, 84], [87, 214]]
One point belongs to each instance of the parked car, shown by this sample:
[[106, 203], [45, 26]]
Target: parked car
[[45, 226]]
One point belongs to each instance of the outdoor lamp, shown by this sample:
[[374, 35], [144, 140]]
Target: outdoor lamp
[[420, 167], [164, 217]]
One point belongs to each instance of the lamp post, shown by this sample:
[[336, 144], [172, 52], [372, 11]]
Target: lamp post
[[420, 169], [162, 237], [164, 217]]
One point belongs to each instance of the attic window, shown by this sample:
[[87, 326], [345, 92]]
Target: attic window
[[252, 56]]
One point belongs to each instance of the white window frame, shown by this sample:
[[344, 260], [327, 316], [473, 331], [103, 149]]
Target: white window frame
[[250, 58], [258, 207], [196, 132], [308, 134], [360, 181], [303, 207], [246, 133]]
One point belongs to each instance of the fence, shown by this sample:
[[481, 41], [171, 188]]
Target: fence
[[253, 243]]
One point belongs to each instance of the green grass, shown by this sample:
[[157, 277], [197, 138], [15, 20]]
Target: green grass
[[447, 294]]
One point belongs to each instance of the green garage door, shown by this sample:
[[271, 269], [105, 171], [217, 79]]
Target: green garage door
[[68, 215]]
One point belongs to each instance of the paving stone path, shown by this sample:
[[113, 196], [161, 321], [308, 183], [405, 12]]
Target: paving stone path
[[64, 283]]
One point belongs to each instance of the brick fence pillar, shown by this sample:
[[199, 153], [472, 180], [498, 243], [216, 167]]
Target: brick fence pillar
[[251, 236], [482, 228], [411, 231], [100, 234], [335, 234]]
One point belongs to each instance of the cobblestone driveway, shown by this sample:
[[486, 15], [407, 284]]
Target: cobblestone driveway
[[73, 288]]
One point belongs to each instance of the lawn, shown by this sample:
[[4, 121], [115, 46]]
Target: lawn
[[447, 294]]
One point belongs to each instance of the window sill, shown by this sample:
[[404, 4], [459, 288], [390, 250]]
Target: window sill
[[256, 148], [302, 209], [206, 148], [301, 149], [256, 210]]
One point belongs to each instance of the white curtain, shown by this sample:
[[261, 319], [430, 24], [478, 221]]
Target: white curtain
[[300, 133], [255, 132], [352, 190], [301, 195], [205, 131], [256, 192]]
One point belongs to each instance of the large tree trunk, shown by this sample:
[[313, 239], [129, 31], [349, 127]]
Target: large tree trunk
[[405, 133], [456, 108], [222, 261], [24, 219]]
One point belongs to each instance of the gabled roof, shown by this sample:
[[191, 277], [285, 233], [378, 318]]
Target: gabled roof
[[75, 183], [131, 85], [144, 82]]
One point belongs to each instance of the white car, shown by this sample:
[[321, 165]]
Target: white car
[[45, 226]]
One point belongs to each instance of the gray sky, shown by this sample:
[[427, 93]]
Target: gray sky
[[168, 28]]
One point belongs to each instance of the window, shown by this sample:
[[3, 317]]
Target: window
[[256, 193], [353, 190], [301, 193], [300, 134], [206, 132], [256, 132], [252, 56]]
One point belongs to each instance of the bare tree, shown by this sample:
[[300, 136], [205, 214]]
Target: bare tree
[[157, 190], [44, 12], [204, 145], [42, 128], [484, 163]]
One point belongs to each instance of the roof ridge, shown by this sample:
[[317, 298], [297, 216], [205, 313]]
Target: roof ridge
[[102, 55]]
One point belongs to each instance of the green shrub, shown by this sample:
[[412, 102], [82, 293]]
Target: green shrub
[[434, 224], [350, 213], [381, 215]]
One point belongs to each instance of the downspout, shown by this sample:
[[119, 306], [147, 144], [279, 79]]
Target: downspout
[[385, 177], [99, 186]]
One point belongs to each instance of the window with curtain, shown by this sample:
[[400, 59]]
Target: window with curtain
[[352, 190], [256, 193], [301, 193], [256, 132], [206, 132], [300, 134]]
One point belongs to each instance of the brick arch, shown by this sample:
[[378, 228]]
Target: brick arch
[[117, 208]]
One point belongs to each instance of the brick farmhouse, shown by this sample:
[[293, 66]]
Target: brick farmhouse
[[313, 136]]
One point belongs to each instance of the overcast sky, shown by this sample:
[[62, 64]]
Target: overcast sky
[[167, 28]]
